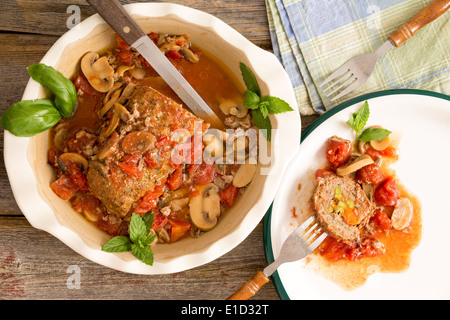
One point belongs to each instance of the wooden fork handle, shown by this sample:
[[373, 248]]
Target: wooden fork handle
[[428, 14], [250, 287]]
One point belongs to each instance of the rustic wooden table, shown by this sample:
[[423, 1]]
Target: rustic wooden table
[[34, 264]]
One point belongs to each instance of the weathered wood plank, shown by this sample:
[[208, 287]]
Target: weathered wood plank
[[34, 264], [50, 17]]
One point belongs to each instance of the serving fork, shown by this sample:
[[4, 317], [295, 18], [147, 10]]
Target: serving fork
[[299, 244], [358, 69]]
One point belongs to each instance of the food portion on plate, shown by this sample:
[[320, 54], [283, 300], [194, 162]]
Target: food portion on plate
[[132, 148], [130, 158], [373, 222]]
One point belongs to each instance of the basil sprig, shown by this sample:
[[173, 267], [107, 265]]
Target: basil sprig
[[27, 118], [53, 80], [30, 117], [139, 240], [261, 106], [358, 121]]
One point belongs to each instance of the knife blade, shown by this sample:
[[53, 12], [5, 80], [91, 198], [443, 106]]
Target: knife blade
[[123, 24]]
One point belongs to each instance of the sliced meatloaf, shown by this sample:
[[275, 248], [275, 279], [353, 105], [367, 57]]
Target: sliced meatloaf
[[149, 111], [342, 207]]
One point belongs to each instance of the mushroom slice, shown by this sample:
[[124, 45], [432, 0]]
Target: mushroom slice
[[138, 141], [123, 112], [110, 147], [380, 144], [205, 209], [137, 73], [113, 124], [72, 157], [226, 105], [108, 105], [121, 70], [98, 71], [189, 55], [60, 138], [239, 111], [126, 93], [244, 175], [355, 165], [402, 215]]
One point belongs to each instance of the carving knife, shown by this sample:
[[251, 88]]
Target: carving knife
[[121, 22]]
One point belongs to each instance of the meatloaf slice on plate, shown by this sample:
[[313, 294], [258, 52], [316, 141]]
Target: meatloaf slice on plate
[[342, 207], [158, 115]]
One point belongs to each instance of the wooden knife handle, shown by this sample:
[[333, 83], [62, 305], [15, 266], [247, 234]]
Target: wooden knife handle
[[250, 287], [115, 15], [428, 14]]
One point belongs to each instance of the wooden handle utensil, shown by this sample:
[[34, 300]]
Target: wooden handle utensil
[[428, 14], [251, 287]]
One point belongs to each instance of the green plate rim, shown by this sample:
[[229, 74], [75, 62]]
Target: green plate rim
[[268, 252]]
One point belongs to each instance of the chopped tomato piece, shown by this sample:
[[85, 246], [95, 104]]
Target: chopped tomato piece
[[382, 220], [64, 188], [130, 170], [334, 250], [387, 193], [338, 151], [372, 247], [149, 202], [172, 54], [52, 155], [81, 83], [160, 221], [120, 44], [162, 142], [370, 174], [204, 174], [125, 57], [228, 195], [178, 229], [175, 179], [154, 36]]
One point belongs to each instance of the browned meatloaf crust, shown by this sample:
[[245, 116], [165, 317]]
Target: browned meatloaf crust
[[324, 198], [150, 112]]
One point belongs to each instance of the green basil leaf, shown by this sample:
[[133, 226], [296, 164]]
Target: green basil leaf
[[374, 134], [264, 108], [249, 78], [30, 117], [145, 242], [53, 80], [262, 123], [359, 119], [117, 244], [143, 253], [251, 100], [148, 219], [277, 105], [137, 229]]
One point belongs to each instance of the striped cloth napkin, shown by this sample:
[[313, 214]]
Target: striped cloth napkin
[[312, 38]]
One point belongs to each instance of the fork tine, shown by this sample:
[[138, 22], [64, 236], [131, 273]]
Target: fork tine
[[313, 246], [339, 72], [310, 232], [352, 87], [343, 84], [304, 226]]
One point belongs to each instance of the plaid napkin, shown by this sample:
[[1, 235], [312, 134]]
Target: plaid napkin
[[312, 38]]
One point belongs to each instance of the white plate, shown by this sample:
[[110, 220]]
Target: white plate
[[422, 122], [30, 175]]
